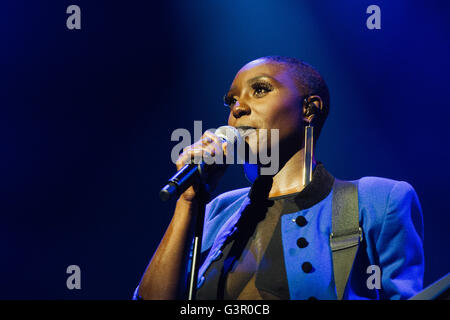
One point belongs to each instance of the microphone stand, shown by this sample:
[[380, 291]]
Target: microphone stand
[[203, 197]]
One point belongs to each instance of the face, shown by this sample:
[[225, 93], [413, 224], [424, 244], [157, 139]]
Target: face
[[263, 95]]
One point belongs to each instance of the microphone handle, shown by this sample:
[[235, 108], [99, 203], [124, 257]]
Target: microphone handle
[[186, 176], [182, 180]]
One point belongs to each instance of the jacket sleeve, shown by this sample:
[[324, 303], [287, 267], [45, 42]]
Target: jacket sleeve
[[400, 244]]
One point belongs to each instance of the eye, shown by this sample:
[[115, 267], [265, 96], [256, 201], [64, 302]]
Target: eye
[[229, 100], [261, 88]]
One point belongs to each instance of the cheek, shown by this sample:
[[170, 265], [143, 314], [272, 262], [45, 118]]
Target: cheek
[[258, 141], [287, 118]]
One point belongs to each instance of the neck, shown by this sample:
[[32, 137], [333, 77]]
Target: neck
[[289, 178]]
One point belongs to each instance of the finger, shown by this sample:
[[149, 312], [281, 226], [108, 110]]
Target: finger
[[211, 136], [185, 157], [218, 143], [194, 155], [224, 147], [206, 139]]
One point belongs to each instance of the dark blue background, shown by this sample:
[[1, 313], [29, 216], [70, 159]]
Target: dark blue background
[[86, 118]]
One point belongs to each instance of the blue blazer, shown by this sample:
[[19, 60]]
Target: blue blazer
[[390, 216]]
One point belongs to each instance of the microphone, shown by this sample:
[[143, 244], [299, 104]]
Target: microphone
[[190, 172]]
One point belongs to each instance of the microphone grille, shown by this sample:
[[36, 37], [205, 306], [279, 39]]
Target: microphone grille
[[229, 134]]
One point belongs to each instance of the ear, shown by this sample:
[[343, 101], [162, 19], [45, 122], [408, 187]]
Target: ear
[[312, 106]]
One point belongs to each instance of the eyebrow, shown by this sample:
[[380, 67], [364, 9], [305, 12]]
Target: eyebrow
[[256, 78]]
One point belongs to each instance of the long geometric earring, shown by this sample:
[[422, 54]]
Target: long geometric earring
[[308, 148], [308, 155]]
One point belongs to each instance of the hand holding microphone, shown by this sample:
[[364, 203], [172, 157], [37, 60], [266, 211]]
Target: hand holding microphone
[[189, 172]]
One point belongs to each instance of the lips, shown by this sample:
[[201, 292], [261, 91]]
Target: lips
[[245, 127], [246, 130]]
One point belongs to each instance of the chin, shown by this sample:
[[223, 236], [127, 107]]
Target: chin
[[257, 146]]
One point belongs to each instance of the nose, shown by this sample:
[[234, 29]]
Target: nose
[[240, 110]]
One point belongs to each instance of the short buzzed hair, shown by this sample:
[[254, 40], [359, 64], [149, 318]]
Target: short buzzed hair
[[309, 82]]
